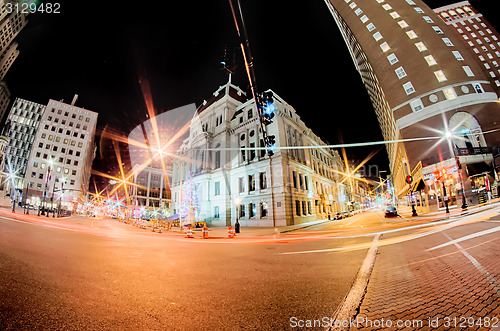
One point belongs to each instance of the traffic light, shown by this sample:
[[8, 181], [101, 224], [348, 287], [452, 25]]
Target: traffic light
[[409, 179], [268, 108], [271, 145]]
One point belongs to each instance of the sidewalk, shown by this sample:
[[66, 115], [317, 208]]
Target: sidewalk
[[452, 288]]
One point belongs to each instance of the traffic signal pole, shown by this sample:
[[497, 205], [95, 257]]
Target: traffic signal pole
[[239, 22]]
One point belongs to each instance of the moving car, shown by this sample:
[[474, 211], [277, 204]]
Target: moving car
[[390, 211]]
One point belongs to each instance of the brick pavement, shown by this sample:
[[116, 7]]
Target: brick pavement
[[412, 285]]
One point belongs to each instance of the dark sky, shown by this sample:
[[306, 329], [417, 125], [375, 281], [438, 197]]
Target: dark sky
[[99, 51]]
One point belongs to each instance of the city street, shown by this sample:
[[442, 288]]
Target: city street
[[84, 273]]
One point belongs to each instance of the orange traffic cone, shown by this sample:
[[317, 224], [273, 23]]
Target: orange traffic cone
[[205, 230], [230, 232], [189, 232]]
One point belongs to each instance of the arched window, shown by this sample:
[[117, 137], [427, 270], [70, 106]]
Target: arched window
[[466, 131]]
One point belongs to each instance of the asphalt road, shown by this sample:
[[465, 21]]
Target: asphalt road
[[103, 274]]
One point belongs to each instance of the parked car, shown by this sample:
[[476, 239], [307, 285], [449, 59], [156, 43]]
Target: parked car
[[390, 211], [338, 216]]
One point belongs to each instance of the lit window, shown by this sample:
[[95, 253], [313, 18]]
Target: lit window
[[409, 89], [387, 7], [411, 34], [450, 94], [352, 5], [400, 72], [385, 47], [411, 2], [440, 76], [358, 12], [430, 60], [420, 46], [395, 14], [468, 71], [370, 27], [419, 10], [364, 18], [403, 24]]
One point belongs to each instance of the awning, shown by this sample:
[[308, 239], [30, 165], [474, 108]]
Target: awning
[[418, 185], [479, 168]]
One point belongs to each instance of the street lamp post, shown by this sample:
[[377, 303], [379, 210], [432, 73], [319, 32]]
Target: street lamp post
[[449, 135], [445, 197], [49, 166]]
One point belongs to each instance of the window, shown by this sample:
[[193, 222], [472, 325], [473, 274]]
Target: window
[[411, 34], [430, 60], [440, 76], [395, 15], [241, 185], [416, 105], [400, 72], [358, 11], [364, 18], [392, 58], [437, 29], [468, 71], [263, 209], [370, 27], [352, 5], [297, 207], [428, 19], [216, 212], [252, 211], [419, 10], [447, 42], [409, 89], [377, 36], [403, 24], [450, 94], [263, 180], [387, 7], [420, 46], [458, 56], [385, 47]]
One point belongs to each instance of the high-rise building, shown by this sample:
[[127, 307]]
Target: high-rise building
[[60, 162], [477, 33], [423, 82], [20, 129], [11, 23]]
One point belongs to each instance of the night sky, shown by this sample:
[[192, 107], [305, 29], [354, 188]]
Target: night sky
[[100, 52]]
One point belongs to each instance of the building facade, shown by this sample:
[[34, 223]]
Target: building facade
[[60, 161], [11, 23], [223, 166], [20, 129], [423, 82]]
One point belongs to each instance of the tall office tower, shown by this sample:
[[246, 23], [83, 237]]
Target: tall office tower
[[423, 82], [60, 162], [11, 23], [477, 33], [20, 129]]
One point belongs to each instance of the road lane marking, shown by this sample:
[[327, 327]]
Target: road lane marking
[[347, 309], [492, 280], [470, 236]]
